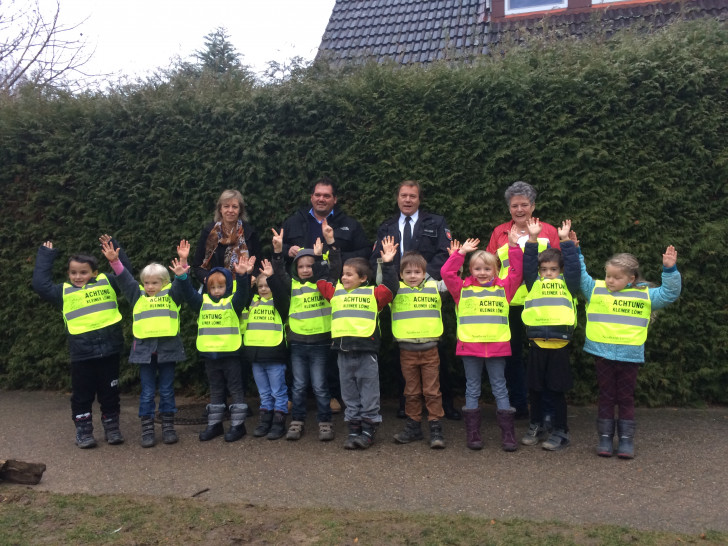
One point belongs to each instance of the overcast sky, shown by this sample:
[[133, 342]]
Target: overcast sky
[[133, 37]]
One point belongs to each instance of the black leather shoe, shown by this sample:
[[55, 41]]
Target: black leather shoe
[[452, 414]]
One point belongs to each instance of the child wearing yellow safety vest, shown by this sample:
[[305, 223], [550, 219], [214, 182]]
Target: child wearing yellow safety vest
[[549, 313], [618, 314], [483, 334], [355, 307], [265, 348], [157, 345], [219, 342], [95, 338], [308, 331], [417, 327]]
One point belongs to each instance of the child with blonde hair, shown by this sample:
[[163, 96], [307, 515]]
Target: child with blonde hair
[[157, 345], [618, 314], [483, 334]]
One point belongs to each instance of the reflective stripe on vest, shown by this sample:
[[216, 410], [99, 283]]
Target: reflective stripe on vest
[[309, 312], [483, 315], [156, 316], [417, 313], [353, 313], [218, 327], [620, 317], [90, 307], [264, 327], [520, 296], [549, 303]]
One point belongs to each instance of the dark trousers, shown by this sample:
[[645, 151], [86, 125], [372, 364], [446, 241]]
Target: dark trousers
[[225, 373], [515, 368], [95, 378], [617, 381]]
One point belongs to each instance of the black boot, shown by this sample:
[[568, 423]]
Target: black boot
[[85, 432], [366, 438], [169, 435], [605, 428], [354, 432], [215, 414], [148, 439], [278, 428], [437, 441], [265, 420], [411, 433], [111, 428], [238, 412], [449, 409], [625, 448]]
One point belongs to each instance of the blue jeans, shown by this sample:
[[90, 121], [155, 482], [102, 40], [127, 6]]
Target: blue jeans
[[308, 363], [474, 375], [270, 378], [148, 375]]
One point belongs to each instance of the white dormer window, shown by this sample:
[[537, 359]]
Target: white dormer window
[[525, 6]]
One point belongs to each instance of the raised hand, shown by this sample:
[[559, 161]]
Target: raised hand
[[183, 251], [389, 249], [248, 264], [572, 237], [111, 253], [669, 258], [328, 232], [564, 230], [470, 245], [267, 268], [178, 267], [454, 247], [105, 238], [513, 236], [277, 241], [318, 247], [534, 229], [48, 245], [293, 251]]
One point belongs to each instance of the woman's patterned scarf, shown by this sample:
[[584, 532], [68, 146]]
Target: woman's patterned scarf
[[236, 249]]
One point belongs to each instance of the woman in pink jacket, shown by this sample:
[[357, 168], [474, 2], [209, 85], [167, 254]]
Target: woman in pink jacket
[[483, 331]]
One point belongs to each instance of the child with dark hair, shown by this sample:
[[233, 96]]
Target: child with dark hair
[[157, 345], [219, 342], [95, 338], [355, 307], [549, 313]]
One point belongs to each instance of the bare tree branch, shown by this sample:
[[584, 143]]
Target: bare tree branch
[[36, 48]]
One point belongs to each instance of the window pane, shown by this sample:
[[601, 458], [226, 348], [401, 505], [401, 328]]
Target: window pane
[[535, 4]]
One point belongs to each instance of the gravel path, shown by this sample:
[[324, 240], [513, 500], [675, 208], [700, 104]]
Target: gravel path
[[678, 482]]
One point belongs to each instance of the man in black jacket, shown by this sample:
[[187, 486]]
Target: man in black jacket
[[428, 234], [303, 228]]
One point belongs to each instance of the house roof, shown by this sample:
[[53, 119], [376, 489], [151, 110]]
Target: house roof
[[423, 31]]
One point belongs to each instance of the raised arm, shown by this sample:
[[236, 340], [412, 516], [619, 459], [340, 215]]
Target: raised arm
[[43, 275]]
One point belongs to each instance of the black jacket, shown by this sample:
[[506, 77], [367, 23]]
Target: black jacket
[[348, 234], [431, 238], [96, 343], [218, 258], [572, 278]]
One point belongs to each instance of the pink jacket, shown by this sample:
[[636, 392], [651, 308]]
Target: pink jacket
[[510, 284]]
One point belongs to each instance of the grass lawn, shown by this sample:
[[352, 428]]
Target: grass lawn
[[32, 517]]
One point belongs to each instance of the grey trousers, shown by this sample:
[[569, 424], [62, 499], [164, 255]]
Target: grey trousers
[[359, 378]]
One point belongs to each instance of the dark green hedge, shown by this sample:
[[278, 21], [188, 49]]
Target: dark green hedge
[[627, 138]]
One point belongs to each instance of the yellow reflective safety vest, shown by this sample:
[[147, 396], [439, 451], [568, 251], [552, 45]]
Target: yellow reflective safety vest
[[244, 320], [156, 316], [353, 313], [620, 317], [90, 307], [309, 312], [549, 303], [520, 296], [218, 327], [417, 312], [264, 326], [483, 314]]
